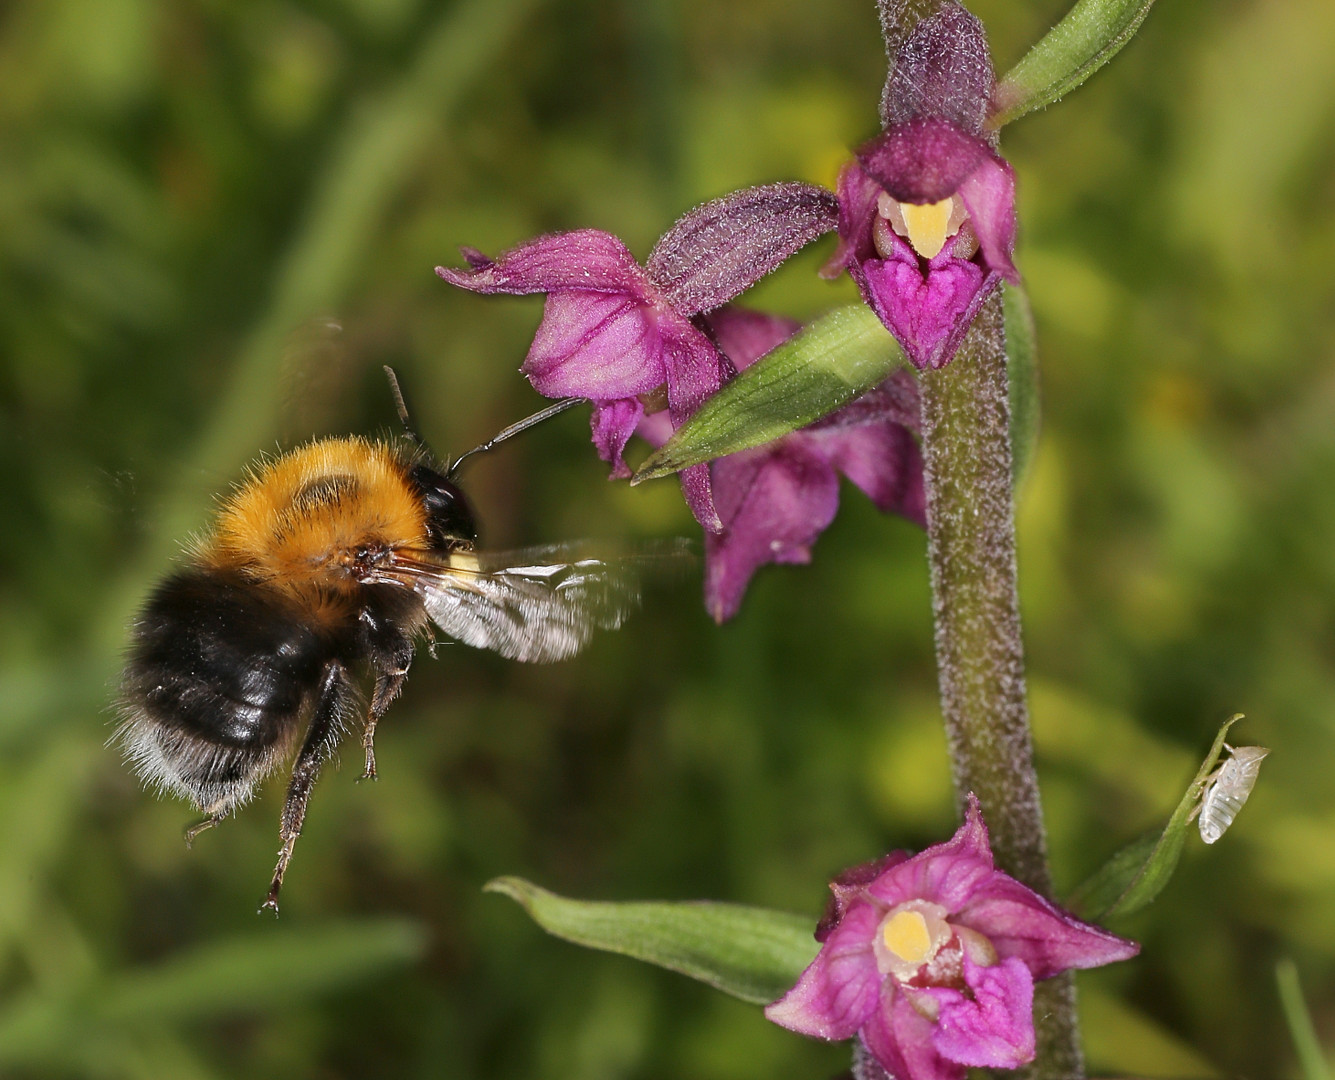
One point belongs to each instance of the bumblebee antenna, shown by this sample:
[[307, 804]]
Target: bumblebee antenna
[[402, 407], [514, 429]]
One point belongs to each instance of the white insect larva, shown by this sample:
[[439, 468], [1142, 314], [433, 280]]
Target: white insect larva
[[1227, 789]]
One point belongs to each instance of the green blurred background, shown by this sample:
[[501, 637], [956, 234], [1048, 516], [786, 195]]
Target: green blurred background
[[217, 220]]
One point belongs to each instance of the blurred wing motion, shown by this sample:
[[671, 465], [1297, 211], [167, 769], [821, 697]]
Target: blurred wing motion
[[536, 605]]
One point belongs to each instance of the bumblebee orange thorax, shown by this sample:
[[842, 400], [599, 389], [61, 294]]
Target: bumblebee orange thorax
[[299, 521]]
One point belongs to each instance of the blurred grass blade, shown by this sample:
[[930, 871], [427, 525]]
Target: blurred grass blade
[[751, 953], [1137, 874], [1311, 1057], [1022, 378], [1090, 35], [270, 969], [263, 969], [834, 359]]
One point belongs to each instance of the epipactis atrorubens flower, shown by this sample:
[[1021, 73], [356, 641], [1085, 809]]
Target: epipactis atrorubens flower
[[775, 500], [623, 335], [931, 960], [927, 209]]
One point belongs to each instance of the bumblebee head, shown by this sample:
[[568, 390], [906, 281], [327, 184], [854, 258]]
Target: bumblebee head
[[449, 517]]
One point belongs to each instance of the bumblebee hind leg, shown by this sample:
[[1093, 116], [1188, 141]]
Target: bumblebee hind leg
[[391, 653], [334, 694]]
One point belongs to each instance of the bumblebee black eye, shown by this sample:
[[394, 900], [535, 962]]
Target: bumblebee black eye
[[449, 518]]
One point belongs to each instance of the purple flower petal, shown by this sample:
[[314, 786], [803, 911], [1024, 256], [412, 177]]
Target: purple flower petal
[[928, 316], [745, 336], [923, 160], [1022, 924], [587, 259], [900, 1038], [774, 502], [720, 249], [596, 345], [994, 1029], [989, 196], [613, 423], [840, 988], [948, 874], [849, 887], [884, 461], [942, 70]]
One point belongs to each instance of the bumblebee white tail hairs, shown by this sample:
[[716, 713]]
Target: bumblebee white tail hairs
[[332, 558], [1227, 788]]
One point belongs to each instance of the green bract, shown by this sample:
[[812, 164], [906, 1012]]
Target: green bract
[[1138, 873], [1090, 35], [833, 360]]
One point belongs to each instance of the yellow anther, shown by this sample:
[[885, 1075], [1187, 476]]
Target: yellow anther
[[906, 935], [928, 226]]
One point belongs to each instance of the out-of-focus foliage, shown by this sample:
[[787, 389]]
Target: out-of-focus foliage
[[218, 220]]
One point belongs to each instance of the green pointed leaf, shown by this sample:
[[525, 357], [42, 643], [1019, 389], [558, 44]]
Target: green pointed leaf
[[1090, 35], [834, 359], [751, 953], [1137, 874], [1022, 378]]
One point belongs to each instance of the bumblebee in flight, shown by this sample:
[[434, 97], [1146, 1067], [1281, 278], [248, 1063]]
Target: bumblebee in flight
[[338, 554]]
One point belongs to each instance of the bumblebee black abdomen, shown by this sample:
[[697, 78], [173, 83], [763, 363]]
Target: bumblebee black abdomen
[[218, 675]]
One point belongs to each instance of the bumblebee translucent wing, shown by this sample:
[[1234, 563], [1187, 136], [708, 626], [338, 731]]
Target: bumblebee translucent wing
[[537, 604]]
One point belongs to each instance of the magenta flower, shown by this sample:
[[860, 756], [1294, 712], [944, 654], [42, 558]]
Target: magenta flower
[[620, 334], [931, 960], [775, 500], [927, 209]]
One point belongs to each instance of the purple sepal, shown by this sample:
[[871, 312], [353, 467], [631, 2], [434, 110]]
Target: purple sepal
[[942, 70], [1022, 924], [583, 259], [720, 249], [774, 504], [841, 988]]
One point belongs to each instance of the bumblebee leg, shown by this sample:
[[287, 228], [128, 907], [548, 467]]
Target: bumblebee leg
[[321, 739], [391, 654], [387, 687], [198, 827]]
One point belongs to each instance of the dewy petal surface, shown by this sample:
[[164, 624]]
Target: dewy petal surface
[[993, 1029]]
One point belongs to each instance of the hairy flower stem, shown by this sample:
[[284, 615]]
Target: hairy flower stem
[[980, 658]]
